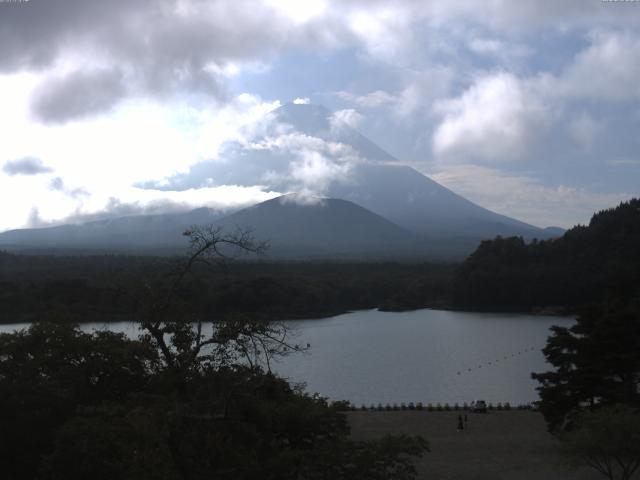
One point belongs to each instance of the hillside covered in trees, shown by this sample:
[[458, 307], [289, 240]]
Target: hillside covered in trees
[[588, 264]]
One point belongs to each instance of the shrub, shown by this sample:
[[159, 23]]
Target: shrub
[[341, 405]]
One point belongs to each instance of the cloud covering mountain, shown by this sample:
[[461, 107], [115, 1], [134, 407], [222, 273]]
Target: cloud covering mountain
[[307, 150]]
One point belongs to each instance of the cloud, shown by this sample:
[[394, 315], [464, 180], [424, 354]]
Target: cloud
[[25, 166], [108, 51], [525, 197], [113, 94], [608, 69], [58, 185], [347, 117], [493, 120], [419, 90], [373, 99], [77, 94], [499, 48], [295, 162], [584, 130], [111, 51], [302, 101], [276, 155]]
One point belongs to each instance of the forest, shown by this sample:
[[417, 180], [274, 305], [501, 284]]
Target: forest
[[86, 288], [587, 265]]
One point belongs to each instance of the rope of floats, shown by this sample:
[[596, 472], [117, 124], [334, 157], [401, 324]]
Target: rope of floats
[[498, 360]]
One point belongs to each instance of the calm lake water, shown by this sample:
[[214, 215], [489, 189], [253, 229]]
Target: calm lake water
[[424, 356]]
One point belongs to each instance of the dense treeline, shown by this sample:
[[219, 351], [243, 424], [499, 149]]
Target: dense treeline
[[104, 287], [178, 403], [101, 406], [586, 265]]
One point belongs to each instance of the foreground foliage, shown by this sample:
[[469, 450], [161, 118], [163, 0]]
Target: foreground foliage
[[597, 363], [177, 403], [607, 440], [76, 406]]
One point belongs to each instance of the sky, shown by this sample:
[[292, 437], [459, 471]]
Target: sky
[[528, 108]]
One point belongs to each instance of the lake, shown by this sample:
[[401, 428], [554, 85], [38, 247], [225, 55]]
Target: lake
[[424, 356]]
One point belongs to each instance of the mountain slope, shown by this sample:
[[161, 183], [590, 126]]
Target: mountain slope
[[137, 232], [414, 201], [376, 180], [449, 226], [401, 193], [297, 226]]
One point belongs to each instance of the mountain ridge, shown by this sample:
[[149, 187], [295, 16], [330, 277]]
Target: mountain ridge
[[432, 219]]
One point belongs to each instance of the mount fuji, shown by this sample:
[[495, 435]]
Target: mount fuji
[[370, 203]]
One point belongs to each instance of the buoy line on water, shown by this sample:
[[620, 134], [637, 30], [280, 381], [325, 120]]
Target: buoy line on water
[[498, 360]]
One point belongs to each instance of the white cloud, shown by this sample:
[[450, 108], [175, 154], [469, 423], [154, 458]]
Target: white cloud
[[347, 117], [314, 172], [299, 12], [494, 120], [311, 163], [104, 156], [302, 101], [524, 197], [608, 69], [386, 32]]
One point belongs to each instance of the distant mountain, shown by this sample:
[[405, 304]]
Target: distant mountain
[[378, 181], [317, 121], [427, 218], [414, 201], [295, 227], [302, 227], [140, 233], [401, 193]]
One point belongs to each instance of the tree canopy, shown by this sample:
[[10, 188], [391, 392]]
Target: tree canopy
[[588, 264], [179, 403], [596, 363]]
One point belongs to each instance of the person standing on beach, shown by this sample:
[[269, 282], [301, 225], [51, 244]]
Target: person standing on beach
[[460, 425]]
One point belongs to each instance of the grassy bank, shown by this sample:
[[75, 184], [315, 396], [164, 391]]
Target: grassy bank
[[500, 445]]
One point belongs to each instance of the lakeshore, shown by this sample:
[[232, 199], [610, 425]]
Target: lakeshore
[[499, 445]]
